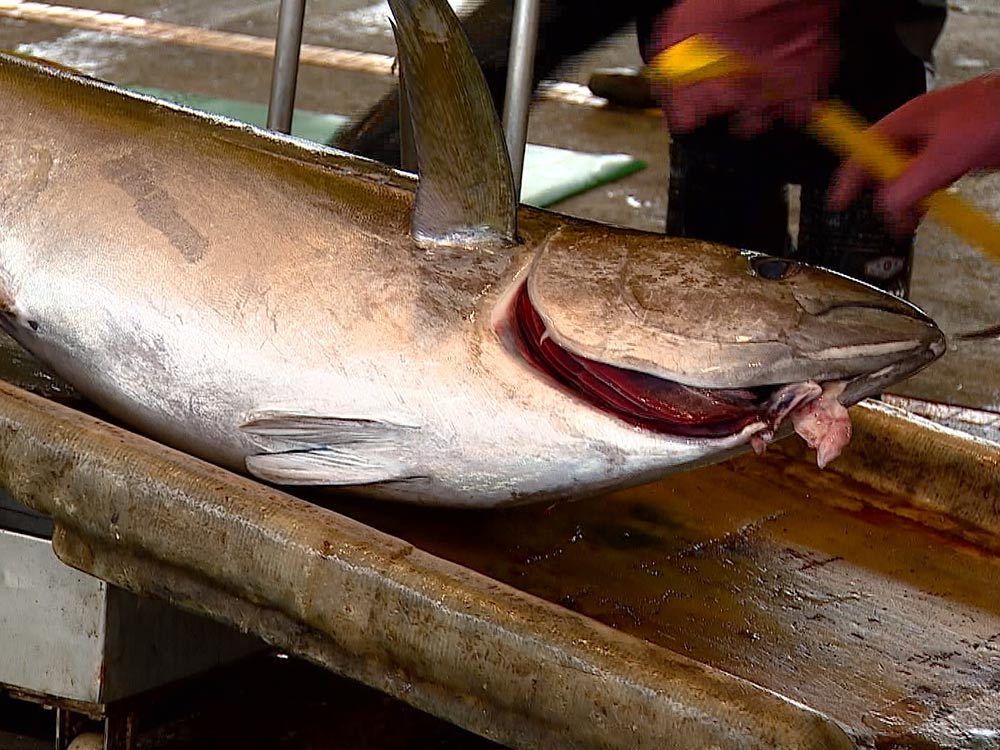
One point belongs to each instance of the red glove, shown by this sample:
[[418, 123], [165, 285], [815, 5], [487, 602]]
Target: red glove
[[792, 44], [951, 131]]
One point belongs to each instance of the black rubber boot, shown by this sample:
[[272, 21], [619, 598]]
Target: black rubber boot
[[855, 242], [878, 74]]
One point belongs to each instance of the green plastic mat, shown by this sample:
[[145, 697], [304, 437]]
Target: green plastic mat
[[550, 174]]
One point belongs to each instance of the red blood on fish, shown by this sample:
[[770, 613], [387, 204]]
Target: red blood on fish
[[673, 408], [640, 399]]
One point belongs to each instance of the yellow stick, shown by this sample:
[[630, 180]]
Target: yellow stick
[[697, 59], [842, 130]]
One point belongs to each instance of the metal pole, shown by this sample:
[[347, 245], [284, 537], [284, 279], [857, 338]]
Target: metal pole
[[285, 73], [521, 63]]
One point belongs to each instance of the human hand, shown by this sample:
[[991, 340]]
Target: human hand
[[791, 47], [950, 132]]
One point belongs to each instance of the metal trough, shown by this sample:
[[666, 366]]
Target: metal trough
[[760, 603]]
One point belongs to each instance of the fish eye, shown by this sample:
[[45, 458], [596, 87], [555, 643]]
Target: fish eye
[[773, 269]]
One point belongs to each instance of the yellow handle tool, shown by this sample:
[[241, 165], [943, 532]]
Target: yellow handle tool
[[698, 58]]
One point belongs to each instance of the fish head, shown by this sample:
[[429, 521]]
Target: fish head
[[698, 341]]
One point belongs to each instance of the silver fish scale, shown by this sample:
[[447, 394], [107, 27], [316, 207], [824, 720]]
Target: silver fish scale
[[260, 303]]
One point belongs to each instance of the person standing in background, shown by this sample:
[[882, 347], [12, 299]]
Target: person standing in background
[[737, 143]]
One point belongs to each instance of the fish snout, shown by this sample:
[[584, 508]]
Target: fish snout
[[868, 338], [899, 345]]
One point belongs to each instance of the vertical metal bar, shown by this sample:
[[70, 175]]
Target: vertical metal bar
[[517, 99], [120, 731], [291, 15], [68, 727], [63, 730]]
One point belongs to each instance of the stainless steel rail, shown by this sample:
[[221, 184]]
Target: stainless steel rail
[[517, 99], [285, 73]]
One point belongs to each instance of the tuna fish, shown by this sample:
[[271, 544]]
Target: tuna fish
[[314, 318]]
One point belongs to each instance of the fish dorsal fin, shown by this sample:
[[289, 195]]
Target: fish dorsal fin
[[466, 192]]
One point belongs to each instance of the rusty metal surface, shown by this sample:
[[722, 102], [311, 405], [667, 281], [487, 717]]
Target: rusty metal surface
[[920, 469], [810, 584], [773, 571], [476, 652]]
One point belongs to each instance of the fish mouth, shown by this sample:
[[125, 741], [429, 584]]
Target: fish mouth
[[672, 408]]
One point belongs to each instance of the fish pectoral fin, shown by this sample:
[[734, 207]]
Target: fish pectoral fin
[[465, 195], [330, 466], [283, 431], [300, 449]]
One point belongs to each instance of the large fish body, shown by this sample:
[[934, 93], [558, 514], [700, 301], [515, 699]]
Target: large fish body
[[295, 312]]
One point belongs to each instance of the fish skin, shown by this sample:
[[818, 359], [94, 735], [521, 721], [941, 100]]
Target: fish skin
[[260, 303]]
